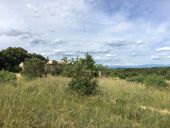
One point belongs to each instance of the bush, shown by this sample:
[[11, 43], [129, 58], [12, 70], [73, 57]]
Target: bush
[[6, 76], [33, 68], [122, 76], [139, 79], [167, 76], [83, 81], [155, 81], [67, 70], [131, 74], [83, 85]]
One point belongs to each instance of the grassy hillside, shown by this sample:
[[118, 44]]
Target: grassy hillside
[[45, 103]]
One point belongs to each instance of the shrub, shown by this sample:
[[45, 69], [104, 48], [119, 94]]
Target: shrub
[[122, 76], [105, 71], [131, 74], [155, 81], [167, 76], [83, 85], [83, 81], [67, 70], [6, 76], [139, 79], [33, 68]]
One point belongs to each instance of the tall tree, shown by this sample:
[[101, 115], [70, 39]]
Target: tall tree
[[2, 61], [34, 55], [12, 57]]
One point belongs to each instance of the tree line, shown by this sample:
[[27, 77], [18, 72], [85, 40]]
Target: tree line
[[83, 71], [11, 57]]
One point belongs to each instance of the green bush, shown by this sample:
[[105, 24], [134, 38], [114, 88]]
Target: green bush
[[139, 79], [155, 81], [83, 85], [33, 68], [122, 76], [167, 76], [83, 77], [6, 76], [131, 74], [67, 70]]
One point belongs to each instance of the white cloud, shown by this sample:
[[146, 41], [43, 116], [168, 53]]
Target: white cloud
[[59, 41], [163, 49], [155, 57], [101, 58], [110, 55], [139, 42], [61, 10]]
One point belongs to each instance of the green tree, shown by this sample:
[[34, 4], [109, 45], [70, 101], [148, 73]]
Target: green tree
[[83, 77], [12, 57], [2, 61], [103, 69], [33, 68], [64, 60], [34, 55]]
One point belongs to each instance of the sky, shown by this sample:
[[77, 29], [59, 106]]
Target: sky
[[115, 32]]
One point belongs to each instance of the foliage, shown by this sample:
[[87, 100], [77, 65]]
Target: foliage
[[11, 57], [6, 76], [167, 76], [139, 79], [34, 67], [104, 70], [132, 72], [67, 69], [34, 55], [155, 81], [83, 81], [83, 85], [2, 61], [122, 76]]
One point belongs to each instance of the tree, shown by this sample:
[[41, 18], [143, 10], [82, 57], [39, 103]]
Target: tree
[[64, 60], [83, 77], [12, 57], [103, 69], [33, 68], [2, 61], [34, 55]]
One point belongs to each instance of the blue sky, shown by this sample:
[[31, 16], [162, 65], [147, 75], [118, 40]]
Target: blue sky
[[115, 32]]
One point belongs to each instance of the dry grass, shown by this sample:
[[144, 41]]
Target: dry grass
[[45, 103]]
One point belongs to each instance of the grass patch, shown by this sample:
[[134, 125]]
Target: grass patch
[[7, 77], [44, 103]]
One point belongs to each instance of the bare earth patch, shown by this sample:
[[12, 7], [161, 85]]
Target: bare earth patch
[[18, 75], [161, 111]]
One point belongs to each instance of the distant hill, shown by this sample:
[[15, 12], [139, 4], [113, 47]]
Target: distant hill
[[141, 66]]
